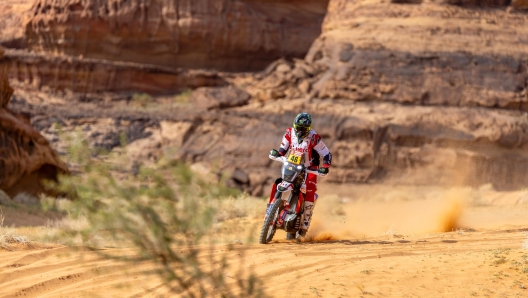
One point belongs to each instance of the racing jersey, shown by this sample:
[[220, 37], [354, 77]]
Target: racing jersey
[[311, 148]]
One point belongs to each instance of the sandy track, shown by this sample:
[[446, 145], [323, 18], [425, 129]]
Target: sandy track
[[454, 264]]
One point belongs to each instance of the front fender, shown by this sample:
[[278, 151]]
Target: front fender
[[284, 186]]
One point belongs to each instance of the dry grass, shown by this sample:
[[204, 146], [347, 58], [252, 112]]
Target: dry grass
[[155, 210], [183, 97], [238, 207], [9, 237], [235, 218]]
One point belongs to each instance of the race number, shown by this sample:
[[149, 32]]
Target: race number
[[295, 159]]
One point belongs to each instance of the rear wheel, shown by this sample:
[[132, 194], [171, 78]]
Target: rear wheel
[[269, 227]]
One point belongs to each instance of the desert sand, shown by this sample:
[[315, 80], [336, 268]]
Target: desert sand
[[384, 241], [465, 109]]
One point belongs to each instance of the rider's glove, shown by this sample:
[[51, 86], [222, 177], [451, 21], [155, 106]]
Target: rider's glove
[[325, 169], [274, 153]]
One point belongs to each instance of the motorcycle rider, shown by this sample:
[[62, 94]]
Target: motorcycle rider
[[303, 140]]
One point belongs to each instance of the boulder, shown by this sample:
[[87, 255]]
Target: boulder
[[145, 150], [25, 155], [240, 176], [219, 98], [175, 133]]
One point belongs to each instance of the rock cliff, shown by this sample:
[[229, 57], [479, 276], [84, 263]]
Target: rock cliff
[[25, 155], [12, 14], [222, 34], [415, 92], [373, 142], [418, 54], [419, 92], [84, 75]]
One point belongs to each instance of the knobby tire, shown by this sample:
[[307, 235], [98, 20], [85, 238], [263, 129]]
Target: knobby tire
[[268, 230]]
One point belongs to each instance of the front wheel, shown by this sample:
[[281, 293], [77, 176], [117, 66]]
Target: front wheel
[[269, 227]]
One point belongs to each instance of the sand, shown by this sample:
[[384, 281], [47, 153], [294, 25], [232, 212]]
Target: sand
[[383, 243]]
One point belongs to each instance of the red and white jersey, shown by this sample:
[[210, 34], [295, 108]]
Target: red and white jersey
[[311, 142]]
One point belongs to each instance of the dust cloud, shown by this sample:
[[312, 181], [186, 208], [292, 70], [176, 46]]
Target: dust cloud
[[400, 211]]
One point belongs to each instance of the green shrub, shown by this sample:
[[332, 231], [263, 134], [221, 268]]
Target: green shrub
[[140, 100], [157, 211], [183, 97]]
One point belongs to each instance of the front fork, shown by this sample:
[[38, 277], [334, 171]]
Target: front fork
[[278, 196], [291, 202]]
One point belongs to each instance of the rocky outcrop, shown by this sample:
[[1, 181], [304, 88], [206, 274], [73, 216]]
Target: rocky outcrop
[[214, 98], [5, 90], [426, 54], [419, 92], [222, 34], [370, 141], [520, 4], [94, 76], [12, 13], [25, 156]]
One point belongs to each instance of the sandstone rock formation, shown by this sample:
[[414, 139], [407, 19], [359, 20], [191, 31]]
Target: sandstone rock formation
[[373, 141], [421, 92], [214, 98], [520, 4], [221, 34], [25, 155], [409, 92], [370, 141], [426, 54], [95, 76], [5, 90], [12, 14]]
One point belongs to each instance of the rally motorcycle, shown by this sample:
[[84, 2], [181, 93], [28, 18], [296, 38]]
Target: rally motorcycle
[[286, 214]]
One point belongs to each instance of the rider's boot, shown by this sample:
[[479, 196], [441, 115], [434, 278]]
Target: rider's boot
[[307, 218]]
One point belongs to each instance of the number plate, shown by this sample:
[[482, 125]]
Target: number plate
[[295, 159]]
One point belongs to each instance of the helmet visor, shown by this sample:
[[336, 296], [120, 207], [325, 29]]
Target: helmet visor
[[301, 130]]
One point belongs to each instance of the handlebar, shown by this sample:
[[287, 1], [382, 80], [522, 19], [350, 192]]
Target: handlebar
[[283, 159]]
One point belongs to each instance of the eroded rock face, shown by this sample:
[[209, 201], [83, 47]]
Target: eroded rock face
[[5, 90], [219, 98], [520, 4], [373, 141], [60, 73], [25, 155], [426, 54], [419, 92], [221, 34], [12, 13]]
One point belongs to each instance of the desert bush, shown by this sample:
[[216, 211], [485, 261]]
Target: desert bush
[[238, 207], [163, 211], [140, 100], [183, 97], [9, 237]]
